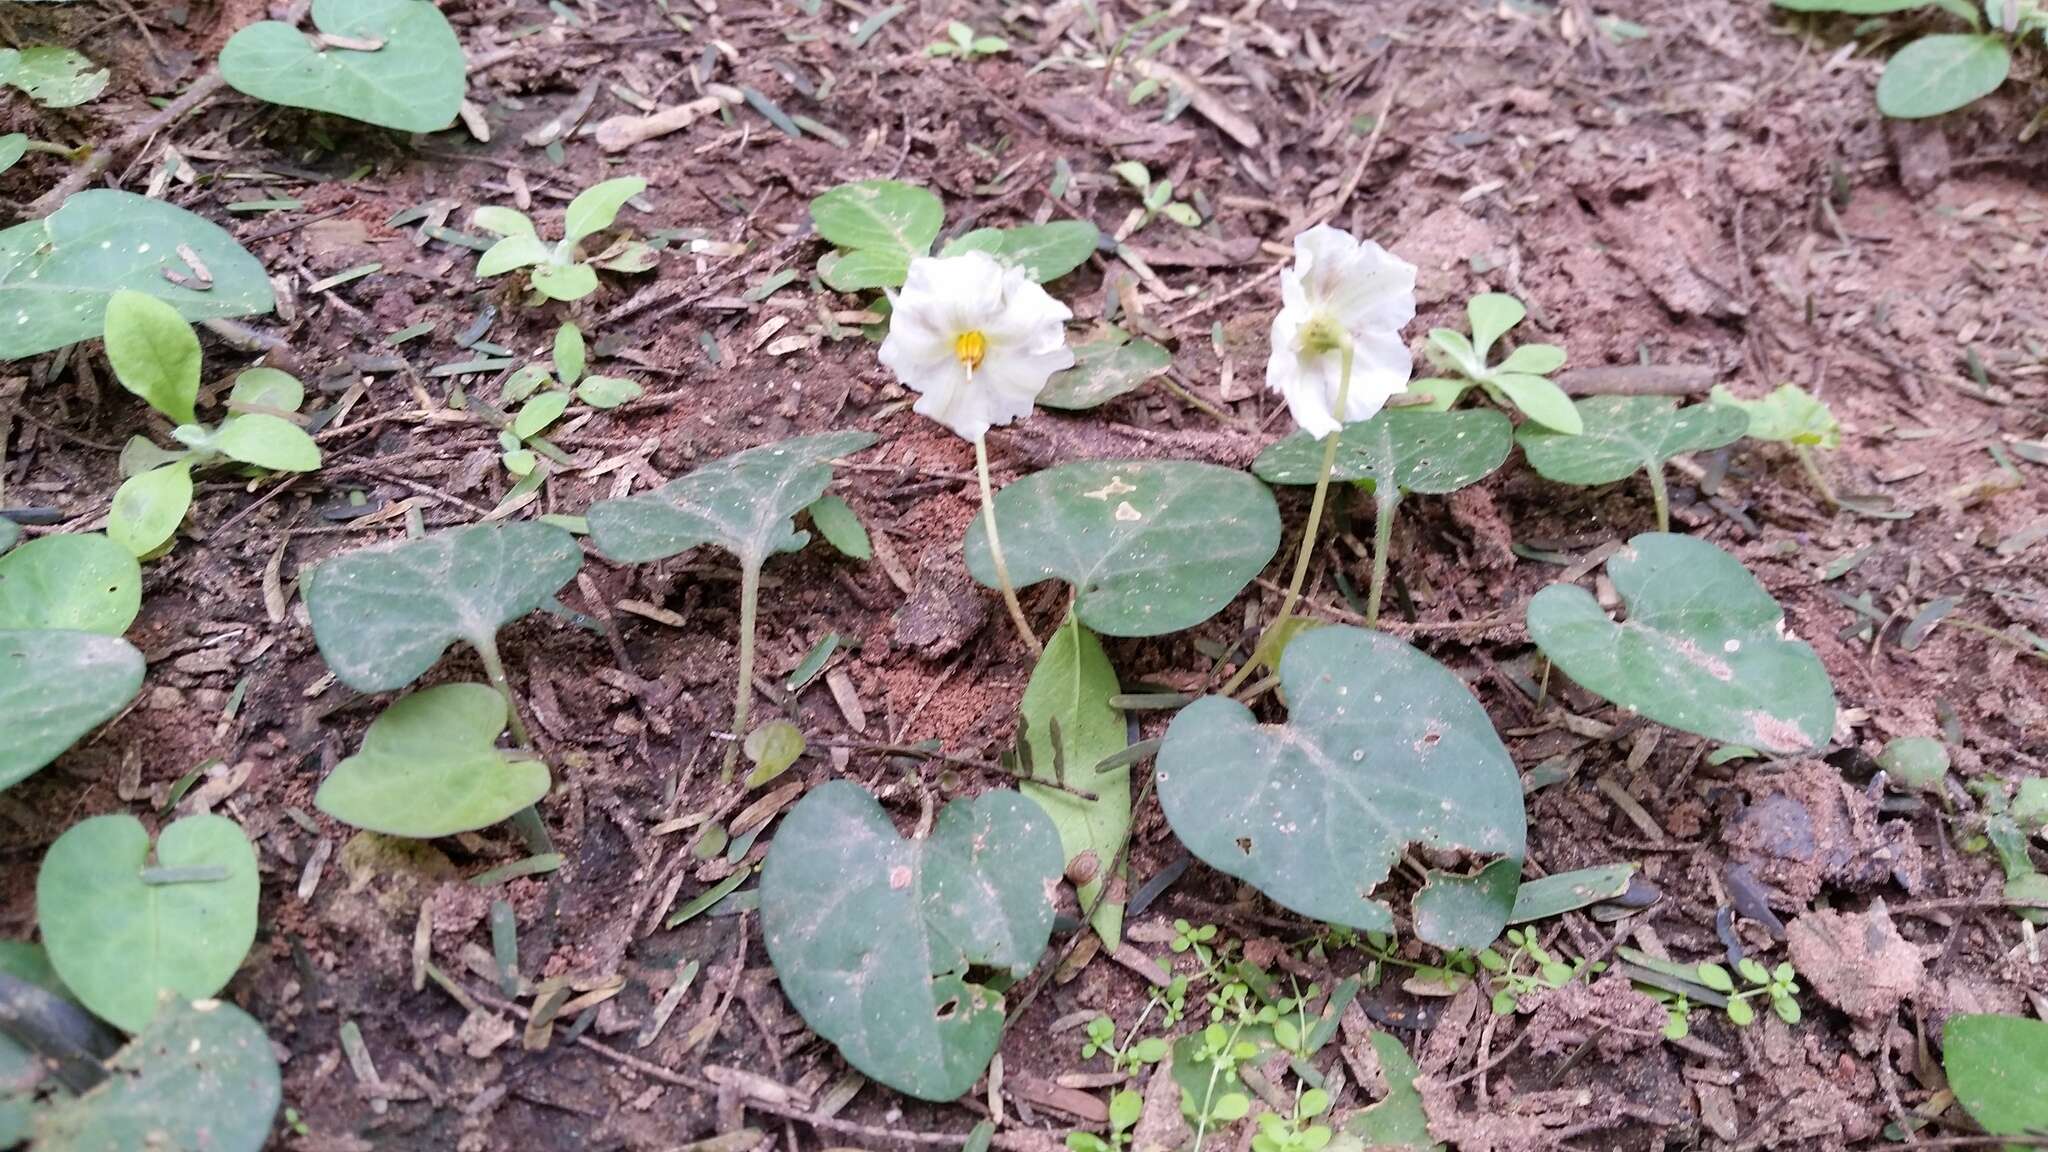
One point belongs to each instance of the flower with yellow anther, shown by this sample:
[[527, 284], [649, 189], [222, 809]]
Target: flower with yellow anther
[[977, 342]]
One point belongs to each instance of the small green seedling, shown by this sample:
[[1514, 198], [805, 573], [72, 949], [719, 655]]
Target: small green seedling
[[1521, 380], [1130, 1056], [962, 41], [877, 227], [1919, 763], [543, 391], [1124, 1110], [393, 63], [125, 920], [52, 76], [1514, 987], [561, 271], [1296, 1133], [744, 504], [898, 951], [1157, 199], [1779, 985], [1792, 416], [57, 274], [155, 355]]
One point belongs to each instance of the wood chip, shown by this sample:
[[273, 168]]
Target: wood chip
[[848, 699], [622, 132]]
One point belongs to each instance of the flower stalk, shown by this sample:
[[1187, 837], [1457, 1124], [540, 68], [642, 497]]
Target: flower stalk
[[995, 549]]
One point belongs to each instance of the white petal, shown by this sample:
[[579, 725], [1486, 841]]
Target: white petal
[[1022, 327]]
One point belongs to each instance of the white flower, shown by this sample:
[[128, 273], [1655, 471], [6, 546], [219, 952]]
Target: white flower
[[976, 341], [1340, 289]]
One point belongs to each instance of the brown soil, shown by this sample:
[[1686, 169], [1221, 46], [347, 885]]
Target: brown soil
[[1718, 192]]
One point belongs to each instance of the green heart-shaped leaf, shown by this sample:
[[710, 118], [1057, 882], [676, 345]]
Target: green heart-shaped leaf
[[57, 274], [75, 581], [52, 76], [1703, 649], [888, 218], [413, 81], [1383, 749], [1997, 1066], [200, 1076], [859, 269], [743, 503], [1938, 74], [431, 766], [1407, 451], [1104, 369], [873, 936], [121, 928], [55, 687], [383, 616], [1070, 690], [1150, 546], [1789, 415], [1045, 251], [1626, 434]]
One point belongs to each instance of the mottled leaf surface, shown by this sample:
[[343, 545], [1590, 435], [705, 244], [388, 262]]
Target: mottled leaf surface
[[56, 274], [1413, 451], [1150, 546], [414, 81], [873, 935], [56, 686], [200, 1078], [744, 503], [1703, 648], [431, 766], [1383, 748], [1045, 251], [119, 941], [1998, 1067], [382, 616], [1624, 435], [1104, 369]]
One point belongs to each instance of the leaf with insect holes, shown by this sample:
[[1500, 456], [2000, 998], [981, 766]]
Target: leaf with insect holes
[[743, 503], [57, 274], [119, 935], [882, 224], [148, 507], [1790, 415], [1150, 546], [1069, 694], [154, 353], [1104, 369], [56, 686], [1997, 1065], [1625, 435], [1938, 74], [413, 80], [430, 766], [383, 616], [52, 76], [1045, 251], [874, 937], [1383, 749], [75, 581], [1401, 449], [201, 1075], [1703, 649]]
